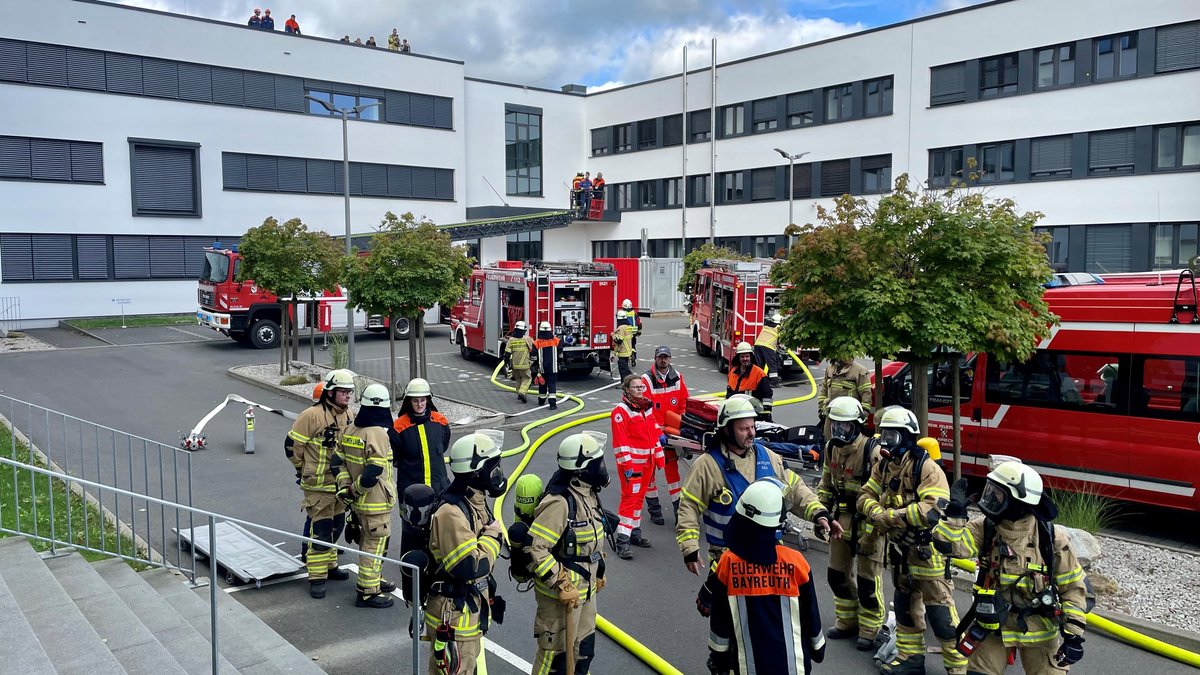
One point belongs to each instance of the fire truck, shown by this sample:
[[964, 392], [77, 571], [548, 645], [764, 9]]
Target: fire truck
[[1108, 403], [579, 299], [728, 300]]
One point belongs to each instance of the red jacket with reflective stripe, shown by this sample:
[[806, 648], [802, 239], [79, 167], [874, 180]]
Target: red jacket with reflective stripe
[[669, 393], [634, 434]]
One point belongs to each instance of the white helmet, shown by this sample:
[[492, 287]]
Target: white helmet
[[621, 315], [898, 430], [626, 304], [762, 503], [774, 319], [471, 452], [376, 395], [736, 407], [744, 348], [544, 326], [521, 325], [417, 387], [339, 378], [846, 415], [1010, 480], [577, 450]]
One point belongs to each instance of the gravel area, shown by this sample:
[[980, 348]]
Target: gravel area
[[19, 342], [1148, 582], [458, 413]]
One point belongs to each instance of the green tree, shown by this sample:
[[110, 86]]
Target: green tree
[[291, 262], [707, 251], [411, 267], [919, 271]]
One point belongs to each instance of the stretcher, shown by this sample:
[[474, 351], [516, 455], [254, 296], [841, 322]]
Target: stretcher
[[243, 555]]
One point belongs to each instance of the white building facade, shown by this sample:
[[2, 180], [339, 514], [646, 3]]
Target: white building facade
[[130, 139]]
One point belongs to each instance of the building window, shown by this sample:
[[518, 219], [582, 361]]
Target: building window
[[647, 134], [623, 196], [1177, 47], [1114, 56], [600, 141], [1055, 66], [166, 178], [617, 249], [99, 257], [47, 159], [264, 173], [835, 178], [1050, 157], [1110, 152], [698, 190], [647, 194], [762, 184], [876, 174], [672, 130], [622, 136], [1109, 249], [344, 102], [767, 247], [733, 120], [1174, 245], [765, 118], [1057, 248], [674, 191], [998, 76], [1177, 146], [525, 245], [996, 163], [945, 167], [879, 97], [732, 185], [800, 109], [839, 103], [523, 153], [801, 180], [947, 84], [699, 126]]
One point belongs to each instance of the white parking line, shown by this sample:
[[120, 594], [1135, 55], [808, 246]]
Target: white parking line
[[512, 659]]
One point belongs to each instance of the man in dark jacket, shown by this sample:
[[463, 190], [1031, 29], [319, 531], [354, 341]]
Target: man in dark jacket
[[420, 437], [267, 22], [256, 20], [547, 359]]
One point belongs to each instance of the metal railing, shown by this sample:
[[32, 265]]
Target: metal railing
[[212, 519], [10, 314], [113, 458]]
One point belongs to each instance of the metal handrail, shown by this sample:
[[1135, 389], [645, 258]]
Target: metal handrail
[[212, 518]]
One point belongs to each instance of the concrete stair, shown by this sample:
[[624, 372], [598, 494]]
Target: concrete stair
[[64, 615]]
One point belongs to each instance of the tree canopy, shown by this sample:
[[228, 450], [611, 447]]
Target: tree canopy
[[707, 251], [288, 259]]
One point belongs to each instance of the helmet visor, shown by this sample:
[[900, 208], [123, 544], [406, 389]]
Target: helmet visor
[[994, 499], [843, 431], [891, 438]]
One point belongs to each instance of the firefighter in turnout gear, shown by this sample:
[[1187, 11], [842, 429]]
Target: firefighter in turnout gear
[[1030, 593], [849, 457], [464, 542], [670, 394], [760, 597], [719, 476], [420, 438], [843, 377], [747, 378], [766, 348], [518, 355], [631, 316], [547, 358], [623, 336], [311, 447], [366, 484], [904, 488], [638, 451], [568, 559]]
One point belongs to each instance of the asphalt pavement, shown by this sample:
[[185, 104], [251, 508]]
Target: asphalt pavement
[[163, 386]]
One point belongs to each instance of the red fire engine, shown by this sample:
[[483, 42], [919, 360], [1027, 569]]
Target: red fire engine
[[1107, 403], [579, 299], [728, 300]]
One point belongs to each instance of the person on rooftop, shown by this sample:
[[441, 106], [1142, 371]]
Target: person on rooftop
[[256, 20], [267, 22], [291, 26], [405, 47], [394, 41]]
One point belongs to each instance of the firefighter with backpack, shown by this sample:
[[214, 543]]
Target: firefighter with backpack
[[904, 488], [1030, 593], [849, 458]]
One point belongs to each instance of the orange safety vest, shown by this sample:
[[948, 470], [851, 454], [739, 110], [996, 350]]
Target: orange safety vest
[[745, 384]]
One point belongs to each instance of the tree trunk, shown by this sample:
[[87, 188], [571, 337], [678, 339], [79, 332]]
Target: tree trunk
[[294, 333], [920, 392], [283, 345], [312, 333], [420, 332], [878, 384], [413, 368], [956, 417], [392, 357]]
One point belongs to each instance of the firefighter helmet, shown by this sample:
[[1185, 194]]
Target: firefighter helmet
[[626, 304], [744, 348], [1019, 480], [847, 409], [417, 387], [521, 325], [736, 407], [529, 492], [577, 450], [774, 319], [339, 378], [762, 503], [377, 396], [621, 315], [897, 417], [544, 326], [471, 452]]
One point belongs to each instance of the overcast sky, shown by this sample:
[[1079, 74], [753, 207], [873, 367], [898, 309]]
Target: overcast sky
[[598, 43]]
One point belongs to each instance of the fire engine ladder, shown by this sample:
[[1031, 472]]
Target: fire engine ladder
[[1190, 277], [541, 300], [750, 308]]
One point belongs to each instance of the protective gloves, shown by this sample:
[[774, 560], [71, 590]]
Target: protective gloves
[[1070, 652]]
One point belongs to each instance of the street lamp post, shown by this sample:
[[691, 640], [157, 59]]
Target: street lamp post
[[345, 115], [791, 187]]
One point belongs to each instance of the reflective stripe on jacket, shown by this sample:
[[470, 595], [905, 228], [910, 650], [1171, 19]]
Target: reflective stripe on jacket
[[360, 448], [518, 349], [419, 450], [309, 453]]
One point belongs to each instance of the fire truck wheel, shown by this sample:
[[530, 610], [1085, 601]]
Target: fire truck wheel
[[722, 365], [264, 334], [403, 328], [702, 349], [467, 353]]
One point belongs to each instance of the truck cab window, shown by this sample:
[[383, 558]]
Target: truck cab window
[[1057, 379]]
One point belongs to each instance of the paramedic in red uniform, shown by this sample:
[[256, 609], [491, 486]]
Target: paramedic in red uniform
[[669, 394], [635, 442]]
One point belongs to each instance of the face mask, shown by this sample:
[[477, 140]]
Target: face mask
[[842, 433], [595, 474], [489, 479], [999, 505]]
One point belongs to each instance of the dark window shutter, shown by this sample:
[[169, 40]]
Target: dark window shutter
[[400, 181], [1109, 149], [289, 94], [131, 257], [764, 110], [802, 182], [87, 162], [260, 90], [374, 180], [167, 258], [262, 173], [1177, 47], [47, 65], [195, 83], [123, 73], [672, 130], [227, 87], [193, 255], [355, 179], [293, 174], [13, 61], [876, 162], [600, 138], [91, 252], [396, 107], [443, 112], [53, 257], [15, 161], [800, 103], [85, 69], [423, 183], [443, 184], [233, 171], [699, 122], [762, 184], [948, 84], [164, 180], [835, 178], [51, 159], [421, 110], [320, 176], [1050, 155], [160, 78], [16, 257], [1109, 248]]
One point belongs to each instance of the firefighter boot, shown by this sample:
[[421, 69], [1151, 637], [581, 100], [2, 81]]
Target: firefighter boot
[[554, 402], [541, 400], [623, 550], [316, 589], [386, 586], [522, 399], [338, 574], [637, 539], [373, 601], [655, 509], [912, 665]]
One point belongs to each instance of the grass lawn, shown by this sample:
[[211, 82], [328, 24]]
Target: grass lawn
[[141, 321], [34, 511]]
